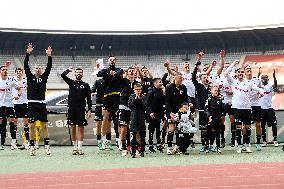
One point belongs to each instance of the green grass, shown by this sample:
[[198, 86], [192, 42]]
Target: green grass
[[18, 161]]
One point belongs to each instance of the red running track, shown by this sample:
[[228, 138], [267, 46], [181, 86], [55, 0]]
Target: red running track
[[239, 176]]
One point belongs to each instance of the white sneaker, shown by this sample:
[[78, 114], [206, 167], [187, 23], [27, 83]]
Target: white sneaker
[[176, 149], [218, 150], [75, 152], [27, 146], [47, 149], [13, 146], [124, 153], [80, 152], [275, 143], [36, 146], [244, 148], [104, 146], [239, 150], [248, 150], [32, 151], [170, 151], [264, 144]]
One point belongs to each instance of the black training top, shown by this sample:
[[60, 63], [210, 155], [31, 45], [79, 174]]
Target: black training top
[[78, 92], [36, 87], [127, 90], [175, 96], [202, 92], [98, 87], [112, 82]]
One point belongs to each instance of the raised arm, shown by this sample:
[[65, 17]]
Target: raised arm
[[167, 66], [102, 73], [259, 72], [208, 71], [49, 62], [274, 80], [65, 78], [26, 61], [222, 62], [228, 70], [194, 73]]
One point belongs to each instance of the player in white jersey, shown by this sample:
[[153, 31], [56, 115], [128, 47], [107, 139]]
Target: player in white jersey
[[21, 104], [255, 106], [242, 104], [6, 102], [267, 112], [226, 92], [187, 81]]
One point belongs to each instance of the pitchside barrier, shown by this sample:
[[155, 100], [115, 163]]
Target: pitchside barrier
[[59, 131]]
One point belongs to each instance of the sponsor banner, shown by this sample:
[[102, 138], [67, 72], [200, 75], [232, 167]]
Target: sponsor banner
[[59, 131]]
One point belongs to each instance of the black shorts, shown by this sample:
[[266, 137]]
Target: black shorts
[[21, 110], [268, 117], [124, 117], [37, 111], [76, 116], [228, 110], [111, 103], [193, 102], [98, 112], [7, 112], [243, 116], [256, 113], [202, 120]]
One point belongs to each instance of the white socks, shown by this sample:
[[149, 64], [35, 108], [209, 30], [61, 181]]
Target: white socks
[[74, 145], [80, 144], [14, 141]]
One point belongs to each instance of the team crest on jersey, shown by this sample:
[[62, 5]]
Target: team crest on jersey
[[82, 86], [180, 92]]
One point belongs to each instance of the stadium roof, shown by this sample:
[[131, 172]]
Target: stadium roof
[[128, 17], [257, 38]]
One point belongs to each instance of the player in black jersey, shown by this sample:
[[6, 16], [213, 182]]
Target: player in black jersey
[[124, 111], [155, 112], [146, 79], [98, 88], [79, 91], [36, 87], [112, 77], [203, 92], [176, 94]]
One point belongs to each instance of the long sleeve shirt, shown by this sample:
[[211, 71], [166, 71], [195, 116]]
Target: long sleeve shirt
[[202, 92], [79, 91], [36, 87]]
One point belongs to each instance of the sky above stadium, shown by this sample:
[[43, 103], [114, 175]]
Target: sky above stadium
[[139, 15]]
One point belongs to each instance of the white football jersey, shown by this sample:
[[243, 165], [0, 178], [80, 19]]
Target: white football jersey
[[187, 81], [253, 95], [6, 94], [225, 88], [23, 99], [266, 101], [241, 92]]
